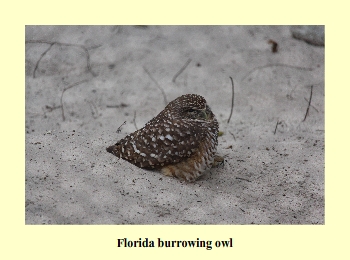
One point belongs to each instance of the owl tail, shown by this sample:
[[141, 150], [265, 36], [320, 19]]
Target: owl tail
[[113, 149], [110, 149]]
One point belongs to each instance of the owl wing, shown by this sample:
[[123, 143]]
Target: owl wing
[[160, 144]]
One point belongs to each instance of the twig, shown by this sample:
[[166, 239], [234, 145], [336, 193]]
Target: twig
[[117, 106], [308, 107], [119, 128], [94, 47], [311, 105], [242, 179], [86, 50], [64, 90], [50, 109], [275, 65], [181, 70], [88, 62], [278, 122], [233, 96], [94, 110], [41, 56], [134, 120], [232, 135], [158, 86]]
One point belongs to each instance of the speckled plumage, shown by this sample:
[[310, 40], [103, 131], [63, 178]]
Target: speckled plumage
[[181, 140]]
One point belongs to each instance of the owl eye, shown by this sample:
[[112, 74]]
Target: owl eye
[[190, 110]]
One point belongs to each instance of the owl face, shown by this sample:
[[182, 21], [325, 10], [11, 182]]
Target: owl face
[[195, 113]]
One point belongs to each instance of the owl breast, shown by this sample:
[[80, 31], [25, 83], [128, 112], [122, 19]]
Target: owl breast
[[202, 159]]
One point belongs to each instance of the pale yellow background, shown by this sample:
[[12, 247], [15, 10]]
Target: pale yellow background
[[99, 242]]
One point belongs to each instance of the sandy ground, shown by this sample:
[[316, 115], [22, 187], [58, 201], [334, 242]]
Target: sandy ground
[[83, 82]]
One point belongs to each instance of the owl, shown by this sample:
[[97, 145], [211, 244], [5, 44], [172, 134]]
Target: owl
[[181, 140]]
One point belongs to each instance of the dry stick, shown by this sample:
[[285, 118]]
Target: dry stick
[[181, 70], [50, 109], [134, 120], [275, 65], [243, 179], [119, 128], [233, 96], [88, 62], [163, 93], [94, 110], [94, 47], [41, 56], [311, 105], [69, 87], [308, 107], [232, 135], [278, 123], [86, 50], [117, 106]]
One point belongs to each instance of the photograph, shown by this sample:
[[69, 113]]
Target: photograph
[[174, 125]]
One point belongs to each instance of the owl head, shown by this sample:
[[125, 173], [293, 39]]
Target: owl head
[[190, 106]]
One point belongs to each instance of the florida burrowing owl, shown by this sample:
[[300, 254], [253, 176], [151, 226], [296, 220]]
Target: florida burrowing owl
[[181, 140]]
